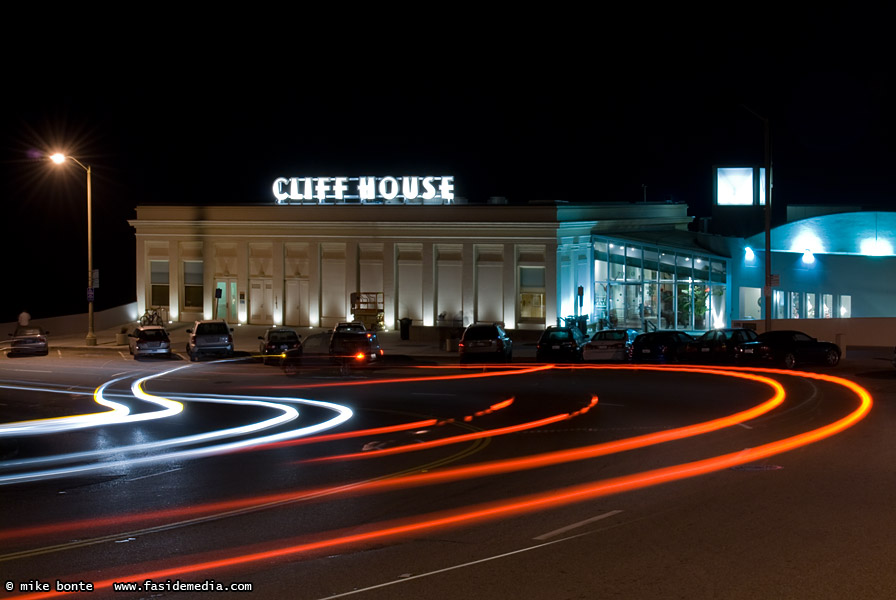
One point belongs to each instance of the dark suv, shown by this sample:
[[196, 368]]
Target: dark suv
[[355, 347], [485, 341], [561, 344]]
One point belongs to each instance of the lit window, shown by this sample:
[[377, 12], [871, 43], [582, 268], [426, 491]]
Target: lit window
[[845, 307]]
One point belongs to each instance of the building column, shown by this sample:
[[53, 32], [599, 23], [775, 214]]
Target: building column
[[428, 275]]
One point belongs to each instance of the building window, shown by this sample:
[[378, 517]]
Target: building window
[[193, 279], [532, 294], [633, 264], [811, 304], [750, 302], [158, 281], [795, 306], [617, 262], [779, 305], [827, 306], [845, 307], [718, 306], [685, 307]]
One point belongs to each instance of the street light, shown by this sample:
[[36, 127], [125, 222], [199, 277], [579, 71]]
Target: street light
[[91, 337]]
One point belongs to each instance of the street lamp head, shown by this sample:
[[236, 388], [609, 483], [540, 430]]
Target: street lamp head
[[60, 158]]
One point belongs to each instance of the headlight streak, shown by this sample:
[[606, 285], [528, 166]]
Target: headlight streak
[[487, 469], [551, 499], [117, 414], [555, 457], [120, 414]]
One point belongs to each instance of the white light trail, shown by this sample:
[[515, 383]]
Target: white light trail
[[121, 414]]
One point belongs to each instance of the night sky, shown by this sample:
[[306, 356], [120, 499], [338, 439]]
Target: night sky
[[585, 115]]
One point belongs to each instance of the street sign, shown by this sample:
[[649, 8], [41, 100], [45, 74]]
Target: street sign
[[90, 294], [95, 278], [774, 280]]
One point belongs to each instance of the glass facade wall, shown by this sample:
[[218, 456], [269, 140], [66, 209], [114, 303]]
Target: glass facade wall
[[646, 287]]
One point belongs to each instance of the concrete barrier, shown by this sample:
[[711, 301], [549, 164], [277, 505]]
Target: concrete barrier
[[104, 319]]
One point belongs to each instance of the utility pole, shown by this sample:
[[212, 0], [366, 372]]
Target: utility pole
[[767, 289]]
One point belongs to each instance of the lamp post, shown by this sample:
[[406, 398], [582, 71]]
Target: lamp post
[[91, 337]]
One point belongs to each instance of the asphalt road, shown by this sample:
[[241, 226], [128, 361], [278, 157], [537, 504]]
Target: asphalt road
[[449, 482]]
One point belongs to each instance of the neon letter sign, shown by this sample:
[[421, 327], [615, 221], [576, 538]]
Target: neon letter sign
[[364, 190]]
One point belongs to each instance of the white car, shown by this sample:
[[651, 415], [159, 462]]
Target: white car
[[149, 340], [610, 345], [210, 337]]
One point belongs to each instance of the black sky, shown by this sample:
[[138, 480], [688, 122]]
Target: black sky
[[591, 116]]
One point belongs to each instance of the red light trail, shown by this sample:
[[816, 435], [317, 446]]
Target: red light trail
[[520, 505]]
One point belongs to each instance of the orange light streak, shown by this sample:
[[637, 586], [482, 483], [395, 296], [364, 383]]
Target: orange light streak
[[535, 502], [379, 430], [455, 439], [540, 501], [448, 475], [504, 373]]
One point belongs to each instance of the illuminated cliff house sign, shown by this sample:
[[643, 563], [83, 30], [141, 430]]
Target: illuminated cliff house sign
[[364, 190]]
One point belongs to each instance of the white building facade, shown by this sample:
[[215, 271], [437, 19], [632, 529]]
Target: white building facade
[[436, 264]]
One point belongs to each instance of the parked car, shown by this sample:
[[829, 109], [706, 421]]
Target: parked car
[[357, 347], [788, 348], [485, 341], [610, 345], [313, 350], [149, 340], [276, 341], [717, 345], [210, 338], [559, 343], [355, 326], [29, 339], [662, 346]]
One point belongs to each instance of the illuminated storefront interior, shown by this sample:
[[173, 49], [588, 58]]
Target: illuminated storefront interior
[[648, 287]]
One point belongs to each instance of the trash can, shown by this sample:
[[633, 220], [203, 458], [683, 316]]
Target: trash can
[[405, 324]]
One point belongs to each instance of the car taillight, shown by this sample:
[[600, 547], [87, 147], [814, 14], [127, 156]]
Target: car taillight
[[360, 356]]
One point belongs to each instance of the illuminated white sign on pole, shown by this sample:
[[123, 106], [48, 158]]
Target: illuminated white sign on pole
[[364, 190]]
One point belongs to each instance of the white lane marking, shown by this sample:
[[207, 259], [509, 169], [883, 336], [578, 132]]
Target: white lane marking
[[745, 426], [556, 532], [154, 474], [408, 577], [32, 370]]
